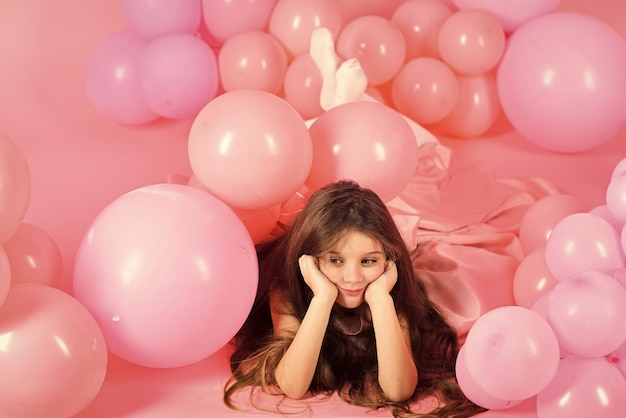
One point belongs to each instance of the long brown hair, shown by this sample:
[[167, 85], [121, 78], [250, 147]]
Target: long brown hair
[[343, 366]]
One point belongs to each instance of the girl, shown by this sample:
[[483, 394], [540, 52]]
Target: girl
[[340, 308]]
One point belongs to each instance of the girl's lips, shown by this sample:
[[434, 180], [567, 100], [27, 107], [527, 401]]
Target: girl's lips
[[352, 292]]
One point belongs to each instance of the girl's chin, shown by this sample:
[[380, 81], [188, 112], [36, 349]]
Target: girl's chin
[[350, 302]]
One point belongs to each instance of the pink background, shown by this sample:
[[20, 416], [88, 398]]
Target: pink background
[[80, 161]]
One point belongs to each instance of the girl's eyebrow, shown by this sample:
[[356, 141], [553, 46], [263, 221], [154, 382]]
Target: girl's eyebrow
[[332, 252]]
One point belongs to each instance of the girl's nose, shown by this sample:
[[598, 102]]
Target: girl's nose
[[352, 275]]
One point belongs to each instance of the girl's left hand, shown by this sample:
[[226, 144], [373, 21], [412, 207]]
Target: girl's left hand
[[384, 283]]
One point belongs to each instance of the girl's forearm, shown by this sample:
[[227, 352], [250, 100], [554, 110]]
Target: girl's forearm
[[297, 367], [397, 372]]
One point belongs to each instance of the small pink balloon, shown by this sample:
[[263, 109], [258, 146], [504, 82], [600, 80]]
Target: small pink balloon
[[420, 22], [583, 388], [586, 312], [603, 212], [15, 187], [541, 307], [473, 391], [510, 13], [581, 242], [169, 272], [153, 18], [53, 357], [567, 95], [111, 79], [477, 107], [252, 60], [619, 169], [293, 21], [512, 352], [250, 148], [616, 197], [178, 75], [303, 85], [227, 18], [363, 141], [34, 256], [377, 43], [541, 217], [425, 89], [5, 276], [532, 279], [471, 42]]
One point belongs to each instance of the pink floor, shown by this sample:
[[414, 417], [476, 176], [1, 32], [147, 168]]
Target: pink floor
[[80, 161]]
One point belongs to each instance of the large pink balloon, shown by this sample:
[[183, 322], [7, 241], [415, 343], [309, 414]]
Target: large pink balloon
[[252, 60], [510, 13], [34, 256], [512, 353], [227, 18], [5, 276], [112, 82], [587, 311], [541, 217], [425, 89], [377, 43], [250, 148], [477, 106], [581, 242], [293, 21], [583, 388], [562, 81], [615, 196], [15, 187], [473, 391], [178, 75], [532, 279], [420, 22], [363, 141], [53, 357], [471, 42], [170, 273], [153, 18]]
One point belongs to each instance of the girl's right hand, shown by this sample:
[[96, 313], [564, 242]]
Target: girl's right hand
[[315, 279]]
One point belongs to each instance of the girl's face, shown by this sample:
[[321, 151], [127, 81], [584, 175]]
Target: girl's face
[[354, 262]]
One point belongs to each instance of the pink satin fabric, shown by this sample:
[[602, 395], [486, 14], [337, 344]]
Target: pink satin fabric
[[465, 224]]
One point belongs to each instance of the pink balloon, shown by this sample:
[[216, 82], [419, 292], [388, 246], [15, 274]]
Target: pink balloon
[[303, 85], [541, 217], [510, 13], [178, 75], [363, 141], [5, 276], [377, 43], [616, 197], [420, 22], [511, 352], [619, 169], [603, 212], [583, 388], [252, 60], [477, 106], [292, 22], [618, 359], [532, 279], [568, 94], [473, 391], [587, 312], [541, 307], [581, 242], [227, 18], [15, 187], [111, 79], [425, 90], [250, 148], [153, 18], [170, 273], [471, 42], [352, 9], [53, 356], [34, 256]]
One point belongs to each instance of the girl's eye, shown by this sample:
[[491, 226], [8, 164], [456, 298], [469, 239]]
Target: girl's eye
[[369, 261], [334, 261]]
